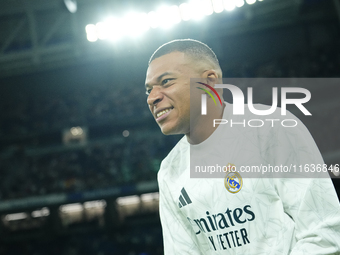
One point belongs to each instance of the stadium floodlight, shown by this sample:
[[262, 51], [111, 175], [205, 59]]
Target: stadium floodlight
[[128, 200], [97, 204], [16, 216], [135, 24], [208, 8], [91, 33], [148, 197], [175, 15], [127, 23], [139, 24], [143, 22], [250, 1], [75, 131], [218, 6], [185, 11], [102, 34], [114, 28], [239, 3], [229, 5], [44, 212], [167, 16], [153, 19], [197, 9], [71, 5], [70, 208]]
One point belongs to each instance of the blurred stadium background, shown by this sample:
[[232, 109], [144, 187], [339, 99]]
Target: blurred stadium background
[[79, 150]]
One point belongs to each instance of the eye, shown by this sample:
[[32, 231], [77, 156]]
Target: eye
[[148, 91], [165, 81]]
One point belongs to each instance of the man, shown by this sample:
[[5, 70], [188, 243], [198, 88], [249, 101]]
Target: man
[[232, 215]]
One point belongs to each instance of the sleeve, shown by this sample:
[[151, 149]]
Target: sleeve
[[178, 235], [315, 211], [311, 202]]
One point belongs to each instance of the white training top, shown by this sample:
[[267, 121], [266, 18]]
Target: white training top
[[248, 216]]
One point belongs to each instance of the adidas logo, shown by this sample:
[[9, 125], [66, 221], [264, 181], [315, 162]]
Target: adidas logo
[[184, 199]]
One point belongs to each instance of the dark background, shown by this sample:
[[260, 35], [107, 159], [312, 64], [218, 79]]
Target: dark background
[[53, 79]]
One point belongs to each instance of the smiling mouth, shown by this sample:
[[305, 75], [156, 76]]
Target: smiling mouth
[[161, 115]]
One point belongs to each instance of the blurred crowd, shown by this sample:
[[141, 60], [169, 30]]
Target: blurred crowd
[[88, 168], [139, 240], [32, 114], [320, 62]]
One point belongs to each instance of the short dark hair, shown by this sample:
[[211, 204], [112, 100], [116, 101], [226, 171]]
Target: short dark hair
[[194, 48]]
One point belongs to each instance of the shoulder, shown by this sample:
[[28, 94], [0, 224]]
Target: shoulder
[[174, 161]]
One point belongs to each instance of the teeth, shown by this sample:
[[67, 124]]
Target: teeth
[[163, 112]]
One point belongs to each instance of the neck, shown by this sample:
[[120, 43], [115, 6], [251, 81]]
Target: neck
[[202, 127]]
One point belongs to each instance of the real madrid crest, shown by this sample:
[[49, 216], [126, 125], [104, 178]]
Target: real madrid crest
[[233, 180]]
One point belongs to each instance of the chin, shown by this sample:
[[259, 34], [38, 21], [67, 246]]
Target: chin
[[168, 130], [171, 130]]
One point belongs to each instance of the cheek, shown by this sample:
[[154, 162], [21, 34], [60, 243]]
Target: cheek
[[184, 109], [195, 98]]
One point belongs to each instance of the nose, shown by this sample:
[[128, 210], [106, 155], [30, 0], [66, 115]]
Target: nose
[[155, 96]]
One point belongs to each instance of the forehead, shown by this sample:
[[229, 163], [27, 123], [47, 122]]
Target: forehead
[[174, 62]]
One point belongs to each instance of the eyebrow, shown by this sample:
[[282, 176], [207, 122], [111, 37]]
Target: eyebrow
[[159, 78]]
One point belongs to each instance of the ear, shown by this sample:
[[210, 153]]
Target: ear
[[211, 77]]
